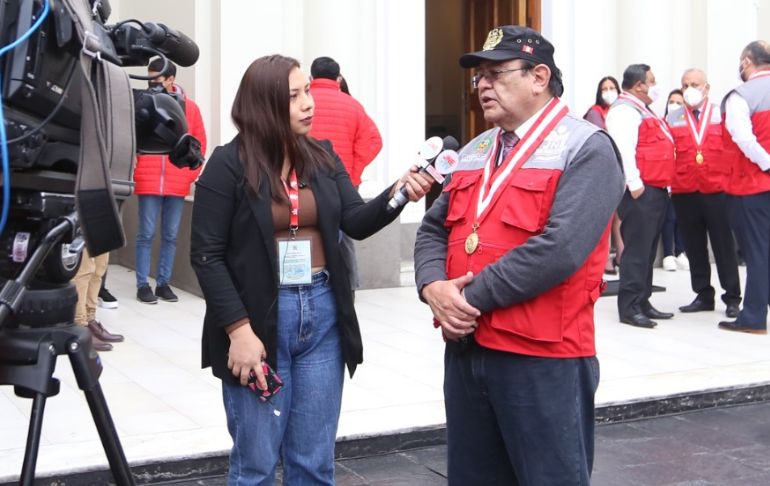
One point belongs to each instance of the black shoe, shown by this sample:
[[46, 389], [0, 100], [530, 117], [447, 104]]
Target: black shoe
[[144, 294], [164, 292], [654, 313], [107, 300], [732, 310], [698, 305], [639, 320], [732, 326]]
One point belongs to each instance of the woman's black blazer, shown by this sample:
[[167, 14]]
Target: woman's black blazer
[[233, 252]]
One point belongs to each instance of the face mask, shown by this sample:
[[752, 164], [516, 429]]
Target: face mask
[[673, 106], [740, 72], [693, 96], [654, 93], [609, 96]]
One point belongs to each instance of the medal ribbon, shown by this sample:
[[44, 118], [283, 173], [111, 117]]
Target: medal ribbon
[[292, 190], [699, 133], [760, 74], [554, 111], [661, 124]]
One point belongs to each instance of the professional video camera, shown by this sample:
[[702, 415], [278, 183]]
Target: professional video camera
[[71, 126]]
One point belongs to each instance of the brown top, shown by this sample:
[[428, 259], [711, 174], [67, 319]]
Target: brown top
[[308, 224]]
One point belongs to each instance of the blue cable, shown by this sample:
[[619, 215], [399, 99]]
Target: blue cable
[[3, 135]]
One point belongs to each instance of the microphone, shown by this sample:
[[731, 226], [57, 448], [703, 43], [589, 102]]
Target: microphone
[[429, 154], [135, 45], [174, 44]]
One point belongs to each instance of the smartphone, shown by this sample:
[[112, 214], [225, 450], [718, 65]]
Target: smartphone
[[274, 383]]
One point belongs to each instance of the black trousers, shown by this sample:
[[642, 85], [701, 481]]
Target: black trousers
[[703, 217], [641, 220], [515, 420], [750, 219]]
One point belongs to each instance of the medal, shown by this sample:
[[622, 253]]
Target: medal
[[699, 157], [472, 241]]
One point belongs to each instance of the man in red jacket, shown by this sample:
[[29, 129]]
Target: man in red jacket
[[161, 188], [342, 120]]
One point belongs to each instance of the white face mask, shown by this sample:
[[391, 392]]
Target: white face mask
[[693, 96], [673, 106], [654, 93], [609, 96]]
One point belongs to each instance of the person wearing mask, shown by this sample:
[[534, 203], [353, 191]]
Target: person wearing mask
[[266, 217], [647, 149], [673, 248], [697, 193], [746, 111], [161, 188], [510, 259], [606, 93], [354, 136]]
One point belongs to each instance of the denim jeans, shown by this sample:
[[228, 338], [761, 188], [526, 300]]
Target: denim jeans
[[169, 208], [518, 420], [299, 424]]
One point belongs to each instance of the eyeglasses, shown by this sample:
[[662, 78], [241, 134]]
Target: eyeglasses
[[491, 75]]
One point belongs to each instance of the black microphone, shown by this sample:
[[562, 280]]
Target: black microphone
[[430, 151], [136, 45], [174, 44]]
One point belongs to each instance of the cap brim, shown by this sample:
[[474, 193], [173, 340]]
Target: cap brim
[[473, 59]]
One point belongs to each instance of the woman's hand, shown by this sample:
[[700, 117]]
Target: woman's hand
[[246, 355], [417, 183]]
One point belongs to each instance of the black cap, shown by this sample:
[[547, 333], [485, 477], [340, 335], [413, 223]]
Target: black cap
[[514, 42]]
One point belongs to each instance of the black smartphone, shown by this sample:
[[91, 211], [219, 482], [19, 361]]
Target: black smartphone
[[274, 383]]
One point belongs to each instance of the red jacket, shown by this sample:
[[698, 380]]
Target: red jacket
[[342, 120], [155, 175]]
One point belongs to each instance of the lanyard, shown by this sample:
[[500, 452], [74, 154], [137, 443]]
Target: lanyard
[[661, 124], [292, 190], [760, 74], [699, 132], [554, 111]]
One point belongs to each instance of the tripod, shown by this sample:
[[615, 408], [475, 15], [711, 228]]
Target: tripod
[[28, 359]]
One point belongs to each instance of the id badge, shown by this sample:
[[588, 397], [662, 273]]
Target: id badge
[[295, 261]]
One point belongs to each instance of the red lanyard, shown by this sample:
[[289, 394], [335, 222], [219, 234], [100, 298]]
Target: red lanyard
[[642, 107], [292, 190]]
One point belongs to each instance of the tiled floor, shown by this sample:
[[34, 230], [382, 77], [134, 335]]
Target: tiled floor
[[164, 406]]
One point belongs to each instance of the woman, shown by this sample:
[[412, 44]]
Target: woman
[[673, 247], [606, 93], [267, 213]]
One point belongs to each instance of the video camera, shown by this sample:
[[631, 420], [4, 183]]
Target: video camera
[[73, 125]]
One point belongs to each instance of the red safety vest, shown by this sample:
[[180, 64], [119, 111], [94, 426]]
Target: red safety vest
[[558, 322], [746, 177], [707, 173]]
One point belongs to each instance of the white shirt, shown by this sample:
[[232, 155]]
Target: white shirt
[[738, 123], [623, 123]]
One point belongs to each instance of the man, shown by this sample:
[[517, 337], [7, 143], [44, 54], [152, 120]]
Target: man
[[88, 281], [647, 148], [510, 259], [342, 120], [697, 192], [747, 120], [161, 188]]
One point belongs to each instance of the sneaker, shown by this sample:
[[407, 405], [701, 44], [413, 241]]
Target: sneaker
[[669, 263], [164, 292], [107, 300], [144, 294], [682, 263]]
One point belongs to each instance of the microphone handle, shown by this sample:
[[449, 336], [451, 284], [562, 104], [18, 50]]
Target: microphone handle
[[401, 197]]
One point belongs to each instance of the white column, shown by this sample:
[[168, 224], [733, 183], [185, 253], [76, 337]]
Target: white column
[[732, 26]]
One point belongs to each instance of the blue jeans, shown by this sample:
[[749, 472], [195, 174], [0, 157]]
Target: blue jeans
[[299, 424], [170, 210], [518, 420]]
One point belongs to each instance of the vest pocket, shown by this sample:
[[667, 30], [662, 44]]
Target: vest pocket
[[460, 190], [526, 208], [539, 319]]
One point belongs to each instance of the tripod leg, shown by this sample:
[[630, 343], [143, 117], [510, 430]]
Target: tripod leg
[[33, 440], [109, 436]]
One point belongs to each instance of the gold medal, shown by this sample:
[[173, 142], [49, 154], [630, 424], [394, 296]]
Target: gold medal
[[472, 241], [699, 157]]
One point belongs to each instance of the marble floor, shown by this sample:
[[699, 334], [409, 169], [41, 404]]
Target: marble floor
[[165, 406]]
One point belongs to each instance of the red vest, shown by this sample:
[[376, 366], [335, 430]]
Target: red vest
[[560, 321], [654, 150], [712, 173], [747, 178]]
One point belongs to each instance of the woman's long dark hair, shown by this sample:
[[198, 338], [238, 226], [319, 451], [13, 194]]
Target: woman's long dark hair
[[261, 114], [599, 100]]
